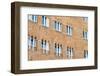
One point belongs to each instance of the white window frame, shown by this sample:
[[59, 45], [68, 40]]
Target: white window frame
[[85, 35], [45, 46], [85, 19], [45, 21], [57, 26], [58, 50], [34, 18], [69, 30], [69, 53], [34, 43], [29, 42], [85, 53]]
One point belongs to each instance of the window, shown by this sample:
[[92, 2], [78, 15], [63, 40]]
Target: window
[[69, 30], [58, 49], [34, 18], [34, 42], [69, 53], [31, 42], [57, 26], [85, 54], [45, 21], [45, 46], [85, 35], [42, 44], [85, 19]]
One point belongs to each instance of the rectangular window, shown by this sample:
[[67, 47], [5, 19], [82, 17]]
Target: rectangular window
[[34, 18], [29, 42], [58, 49], [85, 19], [85, 35], [42, 43], [34, 42], [60, 27], [45, 46], [69, 53], [69, 30], [57, 26], [85, 54], [45, 21], [30, 17]]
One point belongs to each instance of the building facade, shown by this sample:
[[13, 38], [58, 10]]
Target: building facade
[[57, 37]]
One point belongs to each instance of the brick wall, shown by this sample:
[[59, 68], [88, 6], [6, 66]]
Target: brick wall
[[76, 41]]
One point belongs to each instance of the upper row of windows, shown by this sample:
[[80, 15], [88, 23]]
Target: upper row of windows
[[57, 25]]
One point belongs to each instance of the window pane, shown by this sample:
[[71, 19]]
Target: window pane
[[29, 42], [68, 52], [86, 35], [47, 22], [34, 43], [67, 29], [43, 20], [47, 46], [34, 18], [60, 27], [30, 17], [71, 52], [42, 43], [57, 26], [85, 54], [71, 31], [60, 49]]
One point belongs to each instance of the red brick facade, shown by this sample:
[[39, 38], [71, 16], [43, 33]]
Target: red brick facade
[[75, 41]]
